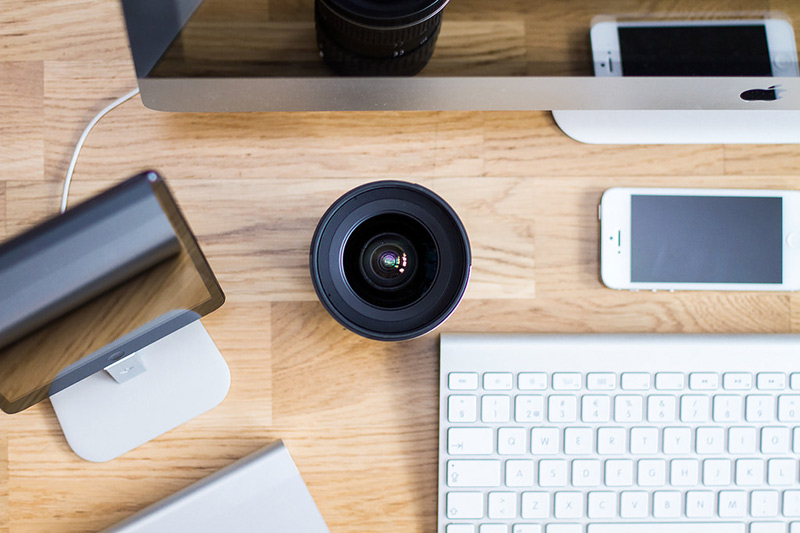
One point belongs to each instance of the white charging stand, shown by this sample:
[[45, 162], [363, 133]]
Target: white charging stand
[[680, 127], [144, 395]]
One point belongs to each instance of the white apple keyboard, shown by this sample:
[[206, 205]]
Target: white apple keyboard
[[619, 434]]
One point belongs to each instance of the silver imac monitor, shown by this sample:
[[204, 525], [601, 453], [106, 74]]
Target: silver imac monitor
[[321, 55], [99, 311]]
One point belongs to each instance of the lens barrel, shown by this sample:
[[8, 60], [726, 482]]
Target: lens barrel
[[390, 260], [377, 37]]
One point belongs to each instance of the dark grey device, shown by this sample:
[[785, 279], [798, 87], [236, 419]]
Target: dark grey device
[[95, 284]]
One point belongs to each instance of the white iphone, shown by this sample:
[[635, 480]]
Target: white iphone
[[700, 239], [735, 47]]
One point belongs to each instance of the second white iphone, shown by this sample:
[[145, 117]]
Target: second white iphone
[[700, 239]]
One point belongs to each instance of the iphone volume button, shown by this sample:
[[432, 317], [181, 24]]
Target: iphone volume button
[[600, 212]]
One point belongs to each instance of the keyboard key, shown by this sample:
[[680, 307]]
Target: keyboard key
[[532, 381], [493, 528], [632, 504], [644, 441], [502, 505], [612, 441], [789, 408], [562, 408], [519, 473], [529, 408], [478, 473], [661, 408], [564, 528], [774, 440], [796, 440], [595, 408], [628, 408], [635, 381], [727, 408], [568, 504], [732, 504], [771, 381], [527, 528], [469, 441], [794, 381], [464, 505], [710, 440], [578, 441], [535, 505], [791, 503], [552, 473], [652, 472], [764, 503], [601, 381], [699, 504], [497, 381], [767, 527], [585, 473], [462, 380], [511, 441], [759, 408], [749, 472], [737, 381], [716, 472], [677, 440], [566, 381], [667, 527], [781, 472], [742, 440], [670, 381], [601, 504], [495, 408], [545, 441], [666, 504], [684, 472], [619, 473], [462, 408], [694, 408], [460, 528], [704, 381]]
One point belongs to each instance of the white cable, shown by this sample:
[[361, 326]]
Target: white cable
[[79, 145]]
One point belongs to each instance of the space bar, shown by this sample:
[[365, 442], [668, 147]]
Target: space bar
[[668, 527]]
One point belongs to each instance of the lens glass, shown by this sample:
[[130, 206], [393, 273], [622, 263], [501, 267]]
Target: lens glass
[[390, 260]]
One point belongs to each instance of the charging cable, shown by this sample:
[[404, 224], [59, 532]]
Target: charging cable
[[79, 145]]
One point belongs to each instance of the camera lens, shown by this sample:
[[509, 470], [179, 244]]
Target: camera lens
[[390, 260], [377, 37]]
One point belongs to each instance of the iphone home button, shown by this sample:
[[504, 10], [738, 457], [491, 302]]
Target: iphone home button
[[793, 240]]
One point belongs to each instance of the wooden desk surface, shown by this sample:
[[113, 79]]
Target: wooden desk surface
[[359, 417]]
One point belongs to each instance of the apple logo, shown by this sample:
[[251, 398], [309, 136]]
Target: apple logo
[[765, 95]]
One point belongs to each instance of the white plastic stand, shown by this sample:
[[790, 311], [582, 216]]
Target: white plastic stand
[[680, 127], [143, 395]]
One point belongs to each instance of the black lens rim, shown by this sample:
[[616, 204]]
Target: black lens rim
[[367, 201], [397, 14]]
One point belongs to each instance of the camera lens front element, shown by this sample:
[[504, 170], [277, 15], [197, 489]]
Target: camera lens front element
[[388, 261]]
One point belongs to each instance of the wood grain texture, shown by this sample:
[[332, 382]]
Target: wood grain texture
[[21, 127], [359, 417]]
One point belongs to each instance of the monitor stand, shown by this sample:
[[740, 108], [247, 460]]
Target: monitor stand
[[681, 127], [144, 395]]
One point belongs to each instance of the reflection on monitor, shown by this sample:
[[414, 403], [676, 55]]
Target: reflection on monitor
[[240, 55], [93, 289]]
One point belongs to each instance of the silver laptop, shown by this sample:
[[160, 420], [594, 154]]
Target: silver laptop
[[262, 492]]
